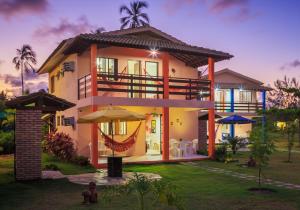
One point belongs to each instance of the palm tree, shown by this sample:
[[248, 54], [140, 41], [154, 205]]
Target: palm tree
[[24, 61], [135, 17]]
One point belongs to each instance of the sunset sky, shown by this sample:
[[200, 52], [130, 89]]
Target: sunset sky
[[263, 35]]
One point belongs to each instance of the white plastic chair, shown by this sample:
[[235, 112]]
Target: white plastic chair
[[174, 148], [195, 146]]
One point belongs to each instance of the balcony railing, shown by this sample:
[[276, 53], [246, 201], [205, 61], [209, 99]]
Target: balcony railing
[[249, 107], [141, 86]]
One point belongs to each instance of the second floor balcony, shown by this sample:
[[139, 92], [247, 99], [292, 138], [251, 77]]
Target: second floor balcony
[[144, 86], [242, 107]]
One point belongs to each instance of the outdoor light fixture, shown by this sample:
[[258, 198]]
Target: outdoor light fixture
[[241, 88], [217, 87], [153, 52]]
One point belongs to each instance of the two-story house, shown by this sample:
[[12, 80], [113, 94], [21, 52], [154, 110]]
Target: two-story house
[[143, 70], [238, 94]]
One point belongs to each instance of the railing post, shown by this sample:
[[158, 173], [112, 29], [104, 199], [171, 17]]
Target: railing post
[[84, 86], [248, 107], [131, 86], [190, 86], [78, 89]]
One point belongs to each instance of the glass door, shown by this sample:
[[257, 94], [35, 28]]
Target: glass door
[[151, 72], [134, 68], [153, 134]]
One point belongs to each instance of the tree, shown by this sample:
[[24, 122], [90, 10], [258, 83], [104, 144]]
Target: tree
[[286, 95], [290, 117], [261, 148], [134, 15], [24, 61], [283, 96]]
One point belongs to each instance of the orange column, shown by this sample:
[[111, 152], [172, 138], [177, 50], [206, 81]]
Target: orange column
[[211, 111], [165, 66], [94, 126]]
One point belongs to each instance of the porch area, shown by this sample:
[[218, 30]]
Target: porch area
[[155, 138]]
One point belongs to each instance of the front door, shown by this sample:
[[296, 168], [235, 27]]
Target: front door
[[134, 68], [153, 134]]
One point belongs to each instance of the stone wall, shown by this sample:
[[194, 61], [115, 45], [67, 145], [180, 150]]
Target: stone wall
[[28, 144]]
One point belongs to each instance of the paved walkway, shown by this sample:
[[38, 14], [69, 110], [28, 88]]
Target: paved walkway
[[244, 176], [100, 177]]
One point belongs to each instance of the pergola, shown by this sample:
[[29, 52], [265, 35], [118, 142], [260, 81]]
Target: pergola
[[28, 130]]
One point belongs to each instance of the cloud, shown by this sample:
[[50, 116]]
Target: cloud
[[234, 10], [9, 8], [222, 5], [36, 86], [15, 81], [65, 27], [12, 80], [291, 65], [173, 6], [1, 62]]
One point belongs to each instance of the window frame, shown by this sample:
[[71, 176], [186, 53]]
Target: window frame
[[105, 128], [115, 69], [52, 84]]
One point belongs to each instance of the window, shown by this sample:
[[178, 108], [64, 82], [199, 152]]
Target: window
[[123, 128], [107, 66], [58, 120], [52, 88], [245, 96], [121, 131], [62, 120]]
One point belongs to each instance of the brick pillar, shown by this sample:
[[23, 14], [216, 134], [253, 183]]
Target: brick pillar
[[28, 144], [202, 135]]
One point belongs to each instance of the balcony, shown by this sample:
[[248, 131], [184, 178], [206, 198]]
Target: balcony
[[244, 107], [141, 86]]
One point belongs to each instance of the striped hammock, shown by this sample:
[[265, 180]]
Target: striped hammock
[[121, 146]]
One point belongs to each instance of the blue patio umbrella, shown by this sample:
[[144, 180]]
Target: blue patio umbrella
[[235, 119]]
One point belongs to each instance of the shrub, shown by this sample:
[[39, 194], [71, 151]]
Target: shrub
[[60, 145], [202, 152], [6, 142], [51, 167], [221, 153], [81, 160]]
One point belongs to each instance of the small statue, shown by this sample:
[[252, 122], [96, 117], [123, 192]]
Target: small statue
[[91, 195]]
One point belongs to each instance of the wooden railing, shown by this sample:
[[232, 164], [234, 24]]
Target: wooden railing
[[141, 86], [249, 107]]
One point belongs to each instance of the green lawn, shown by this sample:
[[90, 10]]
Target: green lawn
[[199, 188], [278, 168]]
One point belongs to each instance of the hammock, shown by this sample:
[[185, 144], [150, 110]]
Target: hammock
[[121, 146]]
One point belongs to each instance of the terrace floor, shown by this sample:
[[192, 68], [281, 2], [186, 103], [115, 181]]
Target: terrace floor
[[155, 158]]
